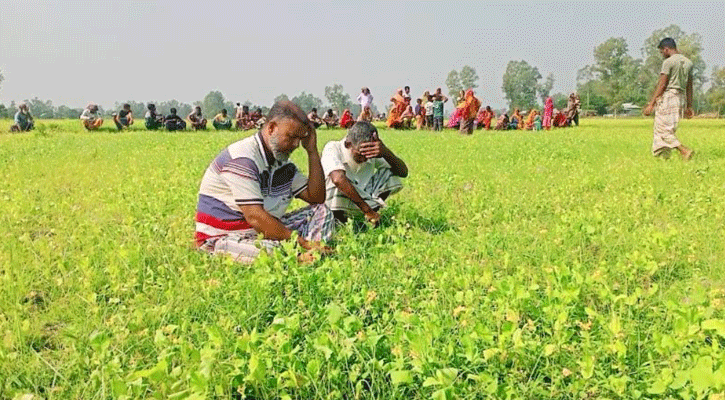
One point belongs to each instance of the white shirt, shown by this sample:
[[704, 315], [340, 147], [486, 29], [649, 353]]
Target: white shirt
[[88, 115], [336, 157], [429, 108], [365, 100]]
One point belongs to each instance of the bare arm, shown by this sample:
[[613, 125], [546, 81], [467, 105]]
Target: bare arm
[[661, 85], [378, 149], [315, 191], [339, 178]]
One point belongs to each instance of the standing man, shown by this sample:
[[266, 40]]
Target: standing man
[[247, 188], [675, 80], [361, 172]]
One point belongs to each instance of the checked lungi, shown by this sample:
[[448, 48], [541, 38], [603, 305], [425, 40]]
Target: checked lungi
[[382, 181], [314, 223], [667, 116]]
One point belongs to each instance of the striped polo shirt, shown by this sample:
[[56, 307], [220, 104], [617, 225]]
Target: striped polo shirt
[[245, 173]]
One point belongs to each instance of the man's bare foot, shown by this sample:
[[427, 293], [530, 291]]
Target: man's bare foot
[[687, 155]]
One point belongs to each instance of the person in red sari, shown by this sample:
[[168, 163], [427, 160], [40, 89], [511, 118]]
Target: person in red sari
[[560, 119], [347, 121], [485, 117], [397, 110], [471, 104]]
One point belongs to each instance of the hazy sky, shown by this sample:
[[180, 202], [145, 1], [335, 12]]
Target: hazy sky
[[73, 52]]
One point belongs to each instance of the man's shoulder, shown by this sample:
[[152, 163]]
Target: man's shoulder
[[245, 148], [332, 148]]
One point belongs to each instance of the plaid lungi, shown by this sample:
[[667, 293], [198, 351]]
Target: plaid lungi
[[382, 181], [314, 223], [667, 116]]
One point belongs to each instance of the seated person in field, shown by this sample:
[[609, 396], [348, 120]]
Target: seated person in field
[[222, 121], [248, 187], [366, 115], [258, 118], [90, 117], [244, 119], [153, 119], [560, 120], [173, 122], [361, 173], [407, 117], [330, 119], [537, 122], [529, 124], [315, 118], [516, 120], [419, 111], [23, 120], [124, 118], [197, 119], [346, 121], [503, 122], [484, 117]]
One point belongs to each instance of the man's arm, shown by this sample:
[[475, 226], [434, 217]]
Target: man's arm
[[379, 149], [314, 193], [661, 85], [269, 226], [688, 107], [339, 178]]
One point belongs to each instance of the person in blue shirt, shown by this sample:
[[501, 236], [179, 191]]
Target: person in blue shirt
[[23, 120]]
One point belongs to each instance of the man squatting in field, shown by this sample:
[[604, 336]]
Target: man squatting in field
[[675, 78], [249, 185], [361, 172]]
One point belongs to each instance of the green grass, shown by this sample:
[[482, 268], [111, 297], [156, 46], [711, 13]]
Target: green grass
[[566, 264]]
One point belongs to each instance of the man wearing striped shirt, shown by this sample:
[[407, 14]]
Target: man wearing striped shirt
[[247, 188]]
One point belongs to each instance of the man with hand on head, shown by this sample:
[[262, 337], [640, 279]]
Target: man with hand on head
[[361, 173], [247, 188]]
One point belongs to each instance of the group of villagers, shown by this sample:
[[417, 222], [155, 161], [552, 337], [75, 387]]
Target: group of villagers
[[347, 120], [154, 120], [247, 189], [469, 115]]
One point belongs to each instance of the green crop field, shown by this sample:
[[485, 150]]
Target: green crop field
[[568, 264]]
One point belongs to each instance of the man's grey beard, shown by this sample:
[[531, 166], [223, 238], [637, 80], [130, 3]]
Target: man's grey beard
[[282, 156]]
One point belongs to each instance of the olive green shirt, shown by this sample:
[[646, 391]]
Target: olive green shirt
[[678, 69]]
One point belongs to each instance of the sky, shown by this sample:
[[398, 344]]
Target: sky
[[74, 52]]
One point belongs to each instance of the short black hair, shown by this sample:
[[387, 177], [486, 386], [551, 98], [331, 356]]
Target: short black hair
[[287, 110], [173, 111], [314, 110], [197, 108], [151, 106], [668, 43], [224, 110], [407, 87], [126, 105]]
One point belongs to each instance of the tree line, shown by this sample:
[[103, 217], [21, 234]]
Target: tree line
[[615, 78]]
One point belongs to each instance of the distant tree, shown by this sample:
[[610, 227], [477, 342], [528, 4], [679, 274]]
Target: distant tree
[[453, 82], [281, 97], [338, 98], [520, 82], [560, 100], [716, 94], [3, 111], [2, 78], [182, 109], [40, 108], [213, 103], [12, 109], [468, 77], [544, 89], [307, 101], [67, 112]]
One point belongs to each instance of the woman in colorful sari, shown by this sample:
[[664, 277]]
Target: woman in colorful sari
[[516, 121], [560, 120], [530, 120], [455, 120], [471, 104], [346, 121], [366, 115], [406, 118], [397, 110], [548, 113], [485, 117]]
